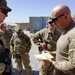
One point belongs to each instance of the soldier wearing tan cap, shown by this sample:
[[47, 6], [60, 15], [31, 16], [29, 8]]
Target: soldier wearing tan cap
[[48, 37]]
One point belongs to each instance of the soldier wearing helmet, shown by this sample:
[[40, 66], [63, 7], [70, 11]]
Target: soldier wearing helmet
[[20, 46]]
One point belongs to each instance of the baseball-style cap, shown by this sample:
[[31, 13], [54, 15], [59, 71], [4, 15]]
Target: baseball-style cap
[[50, 21], [3, 4]]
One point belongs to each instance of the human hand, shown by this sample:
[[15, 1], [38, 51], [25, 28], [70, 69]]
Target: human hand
[[26, 53], [43, 45], [46, 61], [46, 51], [49, 60], [13, 53], [3, 28]]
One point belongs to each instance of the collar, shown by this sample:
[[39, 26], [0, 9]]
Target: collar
[[70, 26]]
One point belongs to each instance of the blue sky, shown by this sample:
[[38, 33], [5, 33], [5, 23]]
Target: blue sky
[[23, 9]]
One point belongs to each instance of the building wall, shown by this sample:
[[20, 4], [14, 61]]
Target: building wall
[[24, 26], [37, 23]]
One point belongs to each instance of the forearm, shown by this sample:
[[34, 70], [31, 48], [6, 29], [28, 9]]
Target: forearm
[[63, 66], [11, 48]]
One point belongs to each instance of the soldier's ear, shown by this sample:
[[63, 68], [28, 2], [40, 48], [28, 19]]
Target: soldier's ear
[[66, 15]]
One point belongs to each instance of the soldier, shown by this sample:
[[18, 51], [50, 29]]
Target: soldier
[[4, 9], [7, 36], [65, 54], [20, 46], [46, 38], [2, 65]]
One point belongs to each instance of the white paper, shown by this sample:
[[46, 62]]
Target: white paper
[[43, 56]]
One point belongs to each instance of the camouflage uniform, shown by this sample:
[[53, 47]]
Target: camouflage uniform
[[3, 5], [19, 45], [50, 38], [7, 36], [2, 65], [65, 55], [4, 55]]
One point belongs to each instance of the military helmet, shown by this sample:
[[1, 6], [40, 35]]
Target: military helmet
[[17, 28], [5, 25], [2, 68], [2, 28]]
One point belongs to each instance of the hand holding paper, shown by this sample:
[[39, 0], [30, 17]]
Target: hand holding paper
[[44, 56]]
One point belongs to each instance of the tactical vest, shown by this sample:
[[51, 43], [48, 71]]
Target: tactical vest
[[1, 50]]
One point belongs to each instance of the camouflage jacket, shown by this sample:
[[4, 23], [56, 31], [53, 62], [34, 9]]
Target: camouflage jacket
[[20, 45], [2, 45], [47, 36], [65, 55], [7, 36]]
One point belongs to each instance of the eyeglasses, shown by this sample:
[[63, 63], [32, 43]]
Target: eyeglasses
[[4, 11], [55, 19], [50, 22]]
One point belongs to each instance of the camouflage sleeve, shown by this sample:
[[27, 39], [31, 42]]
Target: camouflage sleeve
[[28, 43], [64, 66], [37, 38], [29, 46], [68, 66], [11, 44]]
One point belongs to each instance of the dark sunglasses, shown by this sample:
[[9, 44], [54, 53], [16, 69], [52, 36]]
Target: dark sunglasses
[[50, 22], [55, 19], [4, 11]]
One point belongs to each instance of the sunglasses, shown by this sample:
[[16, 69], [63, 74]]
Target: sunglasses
[[4, 11], [55, 19], [50, 22]]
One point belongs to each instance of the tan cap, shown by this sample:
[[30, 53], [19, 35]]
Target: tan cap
[[49, 20]]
